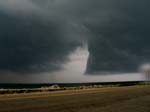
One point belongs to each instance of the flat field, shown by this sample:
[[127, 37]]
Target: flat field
[[108, 99]]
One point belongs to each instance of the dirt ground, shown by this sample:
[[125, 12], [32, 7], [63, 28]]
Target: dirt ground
[[109, 99]]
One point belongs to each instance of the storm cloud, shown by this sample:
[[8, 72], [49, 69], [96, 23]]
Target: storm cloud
[[31, 41], [120, 38], [38, 36]]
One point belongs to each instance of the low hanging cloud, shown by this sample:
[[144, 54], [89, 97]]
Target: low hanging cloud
[[38, 36], [32, 43], [120, 38]]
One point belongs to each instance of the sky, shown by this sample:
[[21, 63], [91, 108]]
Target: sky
[[73, 40]]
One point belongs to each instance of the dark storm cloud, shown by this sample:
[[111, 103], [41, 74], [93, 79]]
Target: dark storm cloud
[[38, 35], [120, 38], [30, 43]]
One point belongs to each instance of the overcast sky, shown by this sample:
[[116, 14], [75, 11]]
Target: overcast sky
[[73, 40]]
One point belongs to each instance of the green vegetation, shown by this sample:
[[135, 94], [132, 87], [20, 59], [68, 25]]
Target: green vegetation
[[60, 87]]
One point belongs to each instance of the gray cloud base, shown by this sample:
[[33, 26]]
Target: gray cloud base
[[32, 46], [39, 36], [120, 41]]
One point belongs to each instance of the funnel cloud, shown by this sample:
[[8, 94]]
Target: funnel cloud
[[38, 36]]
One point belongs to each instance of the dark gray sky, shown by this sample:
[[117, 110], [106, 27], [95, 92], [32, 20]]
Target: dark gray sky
[[38, 37]]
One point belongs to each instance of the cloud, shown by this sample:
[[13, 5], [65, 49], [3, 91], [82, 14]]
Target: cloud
[[39, 35], [120, 38], [21, 7], [31, 44]]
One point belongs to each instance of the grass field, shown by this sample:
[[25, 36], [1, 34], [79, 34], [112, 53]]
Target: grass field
[[109, 99]]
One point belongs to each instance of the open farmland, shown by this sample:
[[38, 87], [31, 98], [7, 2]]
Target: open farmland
[[109, 99]]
